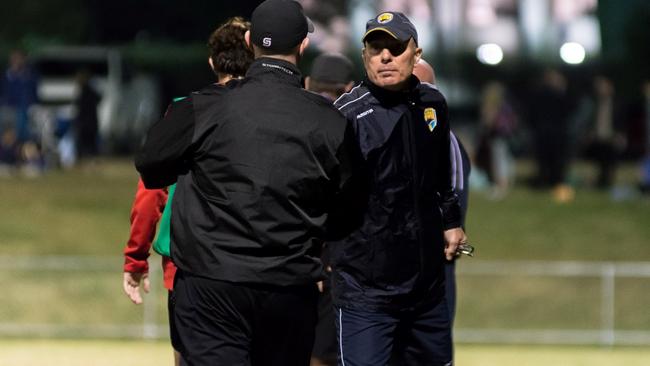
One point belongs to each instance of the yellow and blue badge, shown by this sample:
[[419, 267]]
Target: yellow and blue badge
[[430, 118], [384, 18]]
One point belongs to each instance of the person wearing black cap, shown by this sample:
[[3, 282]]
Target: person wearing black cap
[[258, 174], [331, 76], [388, 275]]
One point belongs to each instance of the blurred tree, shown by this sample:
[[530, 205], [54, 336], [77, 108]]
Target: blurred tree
[[625, 31], [117, 21], [120, 21], [637, 40], [54, 19]]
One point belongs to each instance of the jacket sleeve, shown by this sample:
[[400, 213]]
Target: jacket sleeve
[[348, 206], [447, 197], [460, 167], [162, 156], [147, 208]]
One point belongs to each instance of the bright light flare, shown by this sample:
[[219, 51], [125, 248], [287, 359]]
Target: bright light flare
[[572, 53], [489, 53]]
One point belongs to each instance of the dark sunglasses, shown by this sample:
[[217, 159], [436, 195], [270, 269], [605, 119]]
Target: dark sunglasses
[[376, 45]]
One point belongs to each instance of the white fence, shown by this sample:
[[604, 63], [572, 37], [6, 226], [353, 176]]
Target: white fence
[[149, 328], [152, 327], [607, 272]]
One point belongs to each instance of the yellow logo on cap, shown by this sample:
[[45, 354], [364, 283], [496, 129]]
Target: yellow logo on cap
[[430, 118], [384, 18]]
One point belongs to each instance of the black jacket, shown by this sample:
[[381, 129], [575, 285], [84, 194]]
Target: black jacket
[[260, 164], [395, 258]]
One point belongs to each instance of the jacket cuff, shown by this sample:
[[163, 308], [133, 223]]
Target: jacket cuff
[[451, 215], [452, 225], [135, 266]]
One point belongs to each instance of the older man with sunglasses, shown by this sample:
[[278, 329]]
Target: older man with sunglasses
[[388, 275]]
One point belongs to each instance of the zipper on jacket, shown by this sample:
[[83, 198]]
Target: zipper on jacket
[[414, 184]]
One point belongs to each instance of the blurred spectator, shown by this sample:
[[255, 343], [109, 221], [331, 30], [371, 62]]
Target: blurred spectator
[[549, 115], [25, 157], [637, 126], [32, 163], [18, 90], [86, 125], [9, 150], [332, 27], [605, 138], [498, 123], [645, 167]]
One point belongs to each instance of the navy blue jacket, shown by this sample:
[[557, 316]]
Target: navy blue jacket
[[394, 259]]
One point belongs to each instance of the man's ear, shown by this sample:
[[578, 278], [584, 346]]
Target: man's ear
[[247, 38], [349, 86], [418, 55], [303, 45], [211, 63]]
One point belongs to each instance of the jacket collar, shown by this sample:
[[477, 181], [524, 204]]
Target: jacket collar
[[389, 97], [278, 69]]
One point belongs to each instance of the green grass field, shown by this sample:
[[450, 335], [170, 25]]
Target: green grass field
[[80, 212], [142, 353], [86, 212]]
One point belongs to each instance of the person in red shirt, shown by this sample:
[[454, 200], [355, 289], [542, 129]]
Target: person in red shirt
[[229, 58], [147, 209]]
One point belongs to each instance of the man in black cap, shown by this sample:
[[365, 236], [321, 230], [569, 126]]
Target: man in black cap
[[388, 275], [331, 76], [259, 172]]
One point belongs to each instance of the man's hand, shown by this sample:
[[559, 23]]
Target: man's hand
[[453, 238], [320, 284], [132, 285]]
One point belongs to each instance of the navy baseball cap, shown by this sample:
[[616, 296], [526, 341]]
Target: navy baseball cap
[[395, 24], [332, 68], [279, 25]]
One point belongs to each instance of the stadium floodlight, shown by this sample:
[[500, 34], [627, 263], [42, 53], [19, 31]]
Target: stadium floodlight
[[572, 53], [489, 53]]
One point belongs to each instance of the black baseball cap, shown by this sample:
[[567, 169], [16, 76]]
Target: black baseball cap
[[332, 68], [394, 23], [279, 25]]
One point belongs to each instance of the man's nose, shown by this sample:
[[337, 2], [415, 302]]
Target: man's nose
[[386, 56]]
